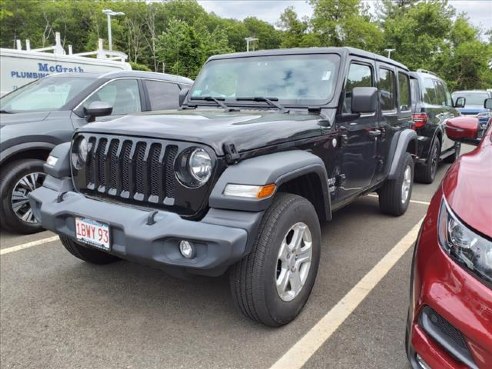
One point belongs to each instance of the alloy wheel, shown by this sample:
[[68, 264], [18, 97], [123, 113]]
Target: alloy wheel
[[20, 196], [294, 261], [406, 185]]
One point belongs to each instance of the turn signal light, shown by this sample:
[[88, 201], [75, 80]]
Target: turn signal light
[[419, 120], [266, 191], [249, 191]]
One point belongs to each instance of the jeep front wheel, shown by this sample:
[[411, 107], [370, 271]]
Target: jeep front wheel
[[272, 284]]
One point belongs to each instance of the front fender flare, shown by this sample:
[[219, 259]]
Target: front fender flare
[[277, 168]]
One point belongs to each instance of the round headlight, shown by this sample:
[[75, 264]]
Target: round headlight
[[80, 152], [200, 165], [193, 167]]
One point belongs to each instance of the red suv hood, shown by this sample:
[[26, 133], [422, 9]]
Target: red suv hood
[[468, 187]]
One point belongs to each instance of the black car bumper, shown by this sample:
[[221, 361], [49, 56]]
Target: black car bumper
[[220, 239]]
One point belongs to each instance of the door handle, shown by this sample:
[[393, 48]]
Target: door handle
[[375, 133]]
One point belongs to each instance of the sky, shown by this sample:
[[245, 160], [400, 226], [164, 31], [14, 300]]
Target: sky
[[479, 12]]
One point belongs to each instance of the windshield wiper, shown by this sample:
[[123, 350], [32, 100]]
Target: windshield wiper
[[269, 100], [218, 100]]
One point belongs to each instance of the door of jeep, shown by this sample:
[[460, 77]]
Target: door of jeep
[[358, 145], [396, 110]]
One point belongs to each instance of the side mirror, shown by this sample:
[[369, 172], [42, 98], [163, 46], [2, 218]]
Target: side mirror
[[460, 102], [487, 104], [463, 129], [97, 109], [364, 100], [182, 95]]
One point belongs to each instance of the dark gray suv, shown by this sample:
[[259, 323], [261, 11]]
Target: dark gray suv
[[37, 117], [432, 106]]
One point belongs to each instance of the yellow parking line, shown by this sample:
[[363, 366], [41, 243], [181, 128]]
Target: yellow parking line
[[303, 349], [27, 245]]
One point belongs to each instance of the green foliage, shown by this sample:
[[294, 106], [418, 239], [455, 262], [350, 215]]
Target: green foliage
[[137, 66], [344, 23], [181, 35]]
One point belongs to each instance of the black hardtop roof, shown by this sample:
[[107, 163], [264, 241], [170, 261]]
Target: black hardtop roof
[[344, 51], [128, 73]]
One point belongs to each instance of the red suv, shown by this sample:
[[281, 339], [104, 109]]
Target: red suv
[[450, 315]]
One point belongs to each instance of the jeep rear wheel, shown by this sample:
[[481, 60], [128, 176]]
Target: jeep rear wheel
[[395, 194], [272, 284], [426, 173], [87, 253]]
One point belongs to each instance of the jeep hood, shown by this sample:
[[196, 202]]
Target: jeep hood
[[247, 130]]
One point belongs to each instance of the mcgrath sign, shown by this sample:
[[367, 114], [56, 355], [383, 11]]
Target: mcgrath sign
[[20, 67]]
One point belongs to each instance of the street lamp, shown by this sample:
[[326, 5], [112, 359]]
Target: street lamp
[[389, 52], [109, 14], [248, 40]]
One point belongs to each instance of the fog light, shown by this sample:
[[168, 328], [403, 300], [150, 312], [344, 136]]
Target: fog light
[[186, 249]]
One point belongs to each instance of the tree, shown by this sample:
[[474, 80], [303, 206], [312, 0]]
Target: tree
[[345, 23], [180, 49], [295, 31], [268, 36], [418, 35]]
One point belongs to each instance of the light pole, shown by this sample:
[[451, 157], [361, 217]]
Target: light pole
[[248, 40], [389, 52], [109, 14]]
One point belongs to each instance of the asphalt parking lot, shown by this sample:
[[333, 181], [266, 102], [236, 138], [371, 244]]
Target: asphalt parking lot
[[58, 312]]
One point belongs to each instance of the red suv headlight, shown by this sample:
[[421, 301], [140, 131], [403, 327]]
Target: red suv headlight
[[464, 245]]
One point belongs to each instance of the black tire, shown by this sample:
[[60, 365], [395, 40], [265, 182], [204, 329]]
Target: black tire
[[10, 176], [87, 253], [253, 279], [452, 158], [391, 199], [427, 173]]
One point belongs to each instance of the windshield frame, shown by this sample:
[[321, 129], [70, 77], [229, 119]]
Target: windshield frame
[[68, 104], [193, 101]]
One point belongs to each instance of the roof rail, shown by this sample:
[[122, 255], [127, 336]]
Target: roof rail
[[100, 53], [426, 71]]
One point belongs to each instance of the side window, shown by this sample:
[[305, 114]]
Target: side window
[[441, 93], [387, 88], [359, 75], [447, 101], [162, 95], [430, 93], [404, 84], [122, 94], [414, 85]]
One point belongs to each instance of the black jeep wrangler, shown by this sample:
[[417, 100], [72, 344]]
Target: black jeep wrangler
[[265, 147]]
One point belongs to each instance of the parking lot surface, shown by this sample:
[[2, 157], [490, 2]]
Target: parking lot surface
[[58, 312]]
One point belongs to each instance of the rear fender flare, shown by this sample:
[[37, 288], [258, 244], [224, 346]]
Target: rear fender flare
[[405, 142]]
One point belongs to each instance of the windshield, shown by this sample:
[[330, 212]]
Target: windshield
[[472, 98], [292, 79], [44, 94]]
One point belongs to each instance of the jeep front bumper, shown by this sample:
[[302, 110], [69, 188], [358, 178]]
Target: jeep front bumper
[[221, 238]]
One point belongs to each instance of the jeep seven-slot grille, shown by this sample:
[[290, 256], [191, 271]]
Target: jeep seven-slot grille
[[131, 169]]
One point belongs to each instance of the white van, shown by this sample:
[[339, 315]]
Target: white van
[[19, 67]]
